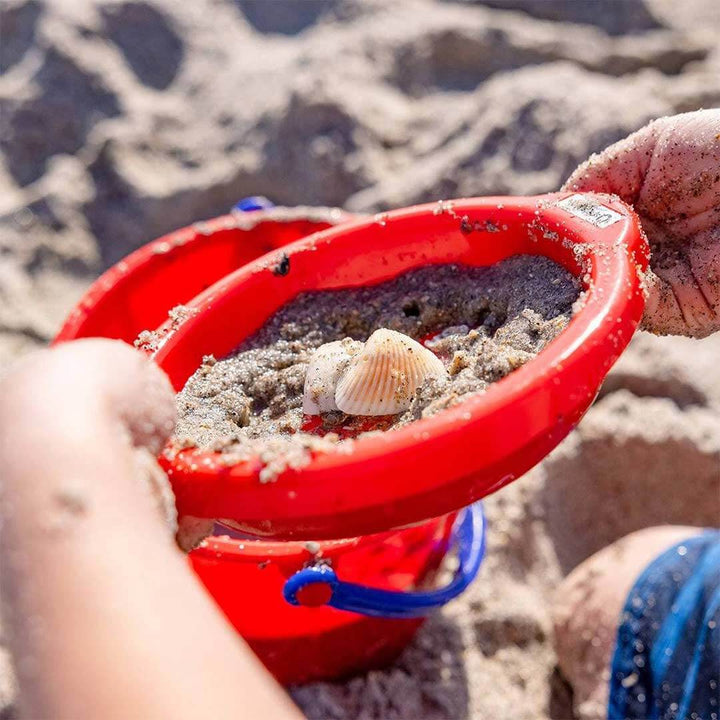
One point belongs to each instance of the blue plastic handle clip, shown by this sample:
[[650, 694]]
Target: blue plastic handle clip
[[254, 202], [468, 534]]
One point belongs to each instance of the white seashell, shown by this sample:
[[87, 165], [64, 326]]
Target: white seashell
[[383, 378], [326, 366]]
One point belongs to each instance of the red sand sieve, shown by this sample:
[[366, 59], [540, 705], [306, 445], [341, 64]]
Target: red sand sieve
[[439, 464]]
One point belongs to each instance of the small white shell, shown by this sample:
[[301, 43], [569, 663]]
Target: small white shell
[[326, 366], [383, 378]]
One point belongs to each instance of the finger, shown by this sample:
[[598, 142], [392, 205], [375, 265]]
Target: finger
[[192, 531], [704, 260], [619, 169], [668, 170], [123, 389], [104, 618], [682, 178], [59, 399]]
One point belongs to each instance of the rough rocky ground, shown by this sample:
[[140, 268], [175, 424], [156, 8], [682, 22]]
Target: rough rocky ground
[[123, 120]]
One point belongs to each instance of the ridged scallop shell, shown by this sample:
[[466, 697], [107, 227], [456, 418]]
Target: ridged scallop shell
[[326, 366], [383, 378]]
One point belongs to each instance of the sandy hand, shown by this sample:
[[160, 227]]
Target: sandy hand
[[669, 171], [102, 614]]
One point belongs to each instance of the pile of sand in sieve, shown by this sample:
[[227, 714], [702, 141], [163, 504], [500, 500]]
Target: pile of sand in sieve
[[483, 322]]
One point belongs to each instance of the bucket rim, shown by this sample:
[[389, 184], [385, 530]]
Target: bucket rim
[[258, 549]]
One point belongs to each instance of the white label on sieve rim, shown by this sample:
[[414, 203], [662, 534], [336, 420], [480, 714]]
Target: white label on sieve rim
[[586, 209]]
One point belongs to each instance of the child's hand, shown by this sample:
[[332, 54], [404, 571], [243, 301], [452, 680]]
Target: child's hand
[[103, 617], [669, 171]]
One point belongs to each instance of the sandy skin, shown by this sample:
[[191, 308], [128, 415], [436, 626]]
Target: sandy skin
[[104, 617], [669, 171]]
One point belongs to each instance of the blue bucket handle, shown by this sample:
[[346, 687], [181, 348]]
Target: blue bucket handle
[[468, 535]]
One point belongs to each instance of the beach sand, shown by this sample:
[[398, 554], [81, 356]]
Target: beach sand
[[124, 120]]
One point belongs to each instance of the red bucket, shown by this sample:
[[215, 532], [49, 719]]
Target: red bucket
[[246, 578], [300, 644], [137, 293]]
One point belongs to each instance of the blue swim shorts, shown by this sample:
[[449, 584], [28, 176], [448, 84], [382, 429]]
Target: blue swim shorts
[[666, 664]]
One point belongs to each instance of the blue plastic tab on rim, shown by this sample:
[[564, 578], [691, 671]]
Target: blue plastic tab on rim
[[468, 535], [253, 202]]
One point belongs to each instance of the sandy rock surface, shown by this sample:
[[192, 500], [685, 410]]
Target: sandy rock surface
[[124, 120]]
